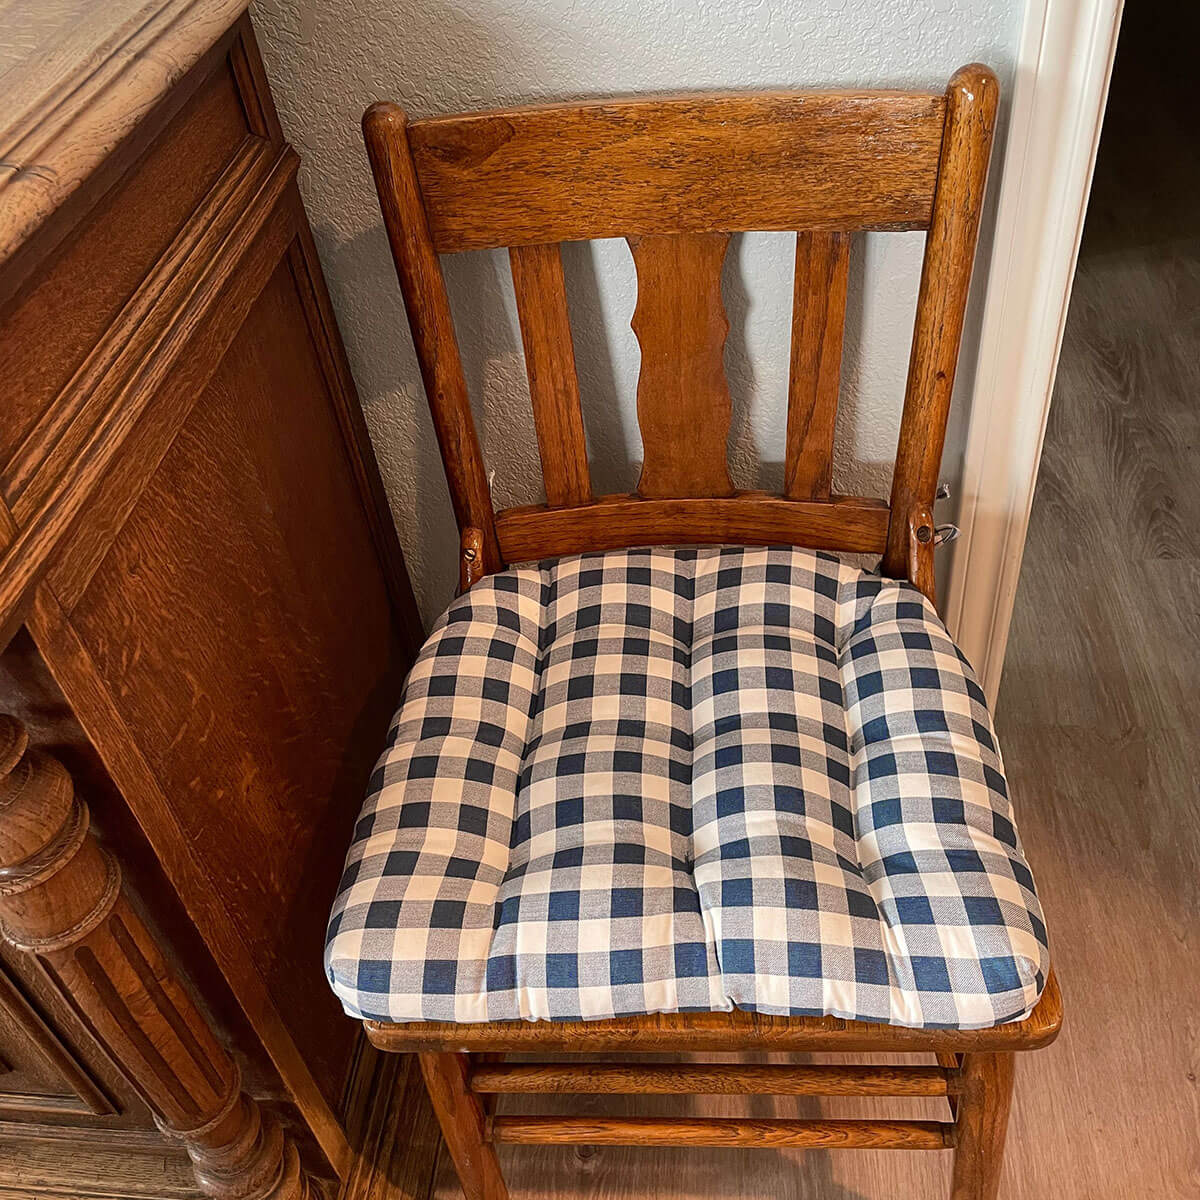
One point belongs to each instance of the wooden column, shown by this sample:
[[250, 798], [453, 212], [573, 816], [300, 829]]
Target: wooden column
[[61, 899]]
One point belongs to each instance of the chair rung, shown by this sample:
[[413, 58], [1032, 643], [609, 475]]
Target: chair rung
[[711, 1079], [724, 1131]]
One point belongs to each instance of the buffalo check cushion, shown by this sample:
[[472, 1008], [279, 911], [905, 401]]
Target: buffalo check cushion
[[666, 780]]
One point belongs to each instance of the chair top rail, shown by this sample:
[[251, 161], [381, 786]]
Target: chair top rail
[[687, 164]]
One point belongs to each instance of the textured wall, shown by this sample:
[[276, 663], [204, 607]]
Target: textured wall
[[327, 61]]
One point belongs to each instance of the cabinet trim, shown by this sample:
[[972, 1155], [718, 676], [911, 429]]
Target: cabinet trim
[[89, 1099]]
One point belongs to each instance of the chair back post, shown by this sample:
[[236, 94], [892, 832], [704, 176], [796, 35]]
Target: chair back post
[[971, 100], [385, 130]]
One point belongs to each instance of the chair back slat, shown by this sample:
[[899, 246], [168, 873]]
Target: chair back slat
[[695, 164], [683, 403], [541, 293], [818, 324]]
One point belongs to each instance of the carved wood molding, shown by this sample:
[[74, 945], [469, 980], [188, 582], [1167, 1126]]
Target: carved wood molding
[[133, 362], [86, 1095], [70, 106], [61, 899]]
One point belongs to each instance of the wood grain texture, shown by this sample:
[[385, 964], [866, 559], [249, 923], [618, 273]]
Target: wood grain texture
[[971, 101], [30, 695], [246, 501], [723, 1131], [99, 455], [397, 1147], [135, 358], [683, 403], [61, 899], [709, 1079], [34, 1169], [541, 293], [385, 128], [99, 70], [674, 177], [21, 1026], [105, 261], [737, 1030], [818, 324], [981, 1122], [464, 1126], [749, 518], [702, 164]]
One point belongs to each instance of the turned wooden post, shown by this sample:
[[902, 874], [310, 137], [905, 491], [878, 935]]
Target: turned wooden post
[[61, 899]]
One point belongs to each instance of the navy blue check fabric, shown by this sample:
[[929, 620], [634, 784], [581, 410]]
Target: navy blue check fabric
[[669, 780]]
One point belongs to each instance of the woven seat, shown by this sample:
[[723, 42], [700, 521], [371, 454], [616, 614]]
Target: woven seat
[[658, 781]]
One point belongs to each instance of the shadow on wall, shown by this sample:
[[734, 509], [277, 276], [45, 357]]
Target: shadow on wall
[[438, 58]]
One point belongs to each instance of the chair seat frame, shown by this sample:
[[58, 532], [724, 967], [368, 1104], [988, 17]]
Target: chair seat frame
[[676, 177], [464, 1072]]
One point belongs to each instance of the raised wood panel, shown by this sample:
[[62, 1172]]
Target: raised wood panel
[[240, 621], [40, 1074], [28, 692], [614, 168], [53, 323]]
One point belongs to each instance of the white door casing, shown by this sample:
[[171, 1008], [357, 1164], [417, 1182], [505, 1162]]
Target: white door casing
[[1063, 68]]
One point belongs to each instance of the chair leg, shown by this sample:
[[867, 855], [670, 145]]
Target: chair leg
[[463, 1125], [981, 1120]]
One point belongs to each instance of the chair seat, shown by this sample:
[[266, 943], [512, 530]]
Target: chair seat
[[674, 780]]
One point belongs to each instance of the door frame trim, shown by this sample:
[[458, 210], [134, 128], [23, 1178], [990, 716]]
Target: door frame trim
[[1064, 65]]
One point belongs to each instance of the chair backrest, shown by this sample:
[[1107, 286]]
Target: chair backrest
[[676, 177]]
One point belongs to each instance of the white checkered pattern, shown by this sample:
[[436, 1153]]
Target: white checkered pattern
[[657, 781]]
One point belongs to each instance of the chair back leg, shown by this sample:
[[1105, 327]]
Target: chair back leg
[[464, 1126], [981, 1121]]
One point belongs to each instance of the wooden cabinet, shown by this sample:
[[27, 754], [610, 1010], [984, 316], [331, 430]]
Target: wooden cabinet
[[206, 620]]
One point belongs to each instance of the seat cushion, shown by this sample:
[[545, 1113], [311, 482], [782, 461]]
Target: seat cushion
[[657, 781]]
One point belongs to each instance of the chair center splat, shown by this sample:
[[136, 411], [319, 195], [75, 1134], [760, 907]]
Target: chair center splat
[[683, 400]]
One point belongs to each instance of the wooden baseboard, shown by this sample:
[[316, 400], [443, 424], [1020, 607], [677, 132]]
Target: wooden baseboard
[[36, 1168]]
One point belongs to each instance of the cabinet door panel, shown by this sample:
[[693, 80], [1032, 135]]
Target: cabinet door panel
[[41, 1075], [240, 621]]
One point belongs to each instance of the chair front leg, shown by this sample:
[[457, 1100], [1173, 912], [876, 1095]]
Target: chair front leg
[[464, 1125], [981, 1121]]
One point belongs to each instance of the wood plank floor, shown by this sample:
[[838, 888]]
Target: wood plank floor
[[1100, 721]]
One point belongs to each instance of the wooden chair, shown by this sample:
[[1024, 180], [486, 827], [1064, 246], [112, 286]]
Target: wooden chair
[[676, 177]]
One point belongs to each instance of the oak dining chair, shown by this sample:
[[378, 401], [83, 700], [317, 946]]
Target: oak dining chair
[[669, 776]]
